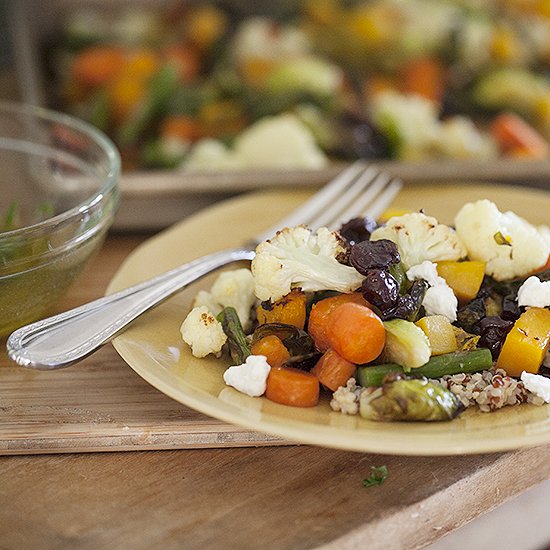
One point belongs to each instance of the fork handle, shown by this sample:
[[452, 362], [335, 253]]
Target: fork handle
[[68, 337]]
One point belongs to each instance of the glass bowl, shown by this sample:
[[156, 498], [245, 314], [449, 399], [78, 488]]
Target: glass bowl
[[58, 197]]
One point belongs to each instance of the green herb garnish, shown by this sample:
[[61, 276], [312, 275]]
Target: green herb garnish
[[378, 475], [501, 239]]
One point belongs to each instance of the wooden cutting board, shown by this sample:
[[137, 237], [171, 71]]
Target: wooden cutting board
[[101, 404]]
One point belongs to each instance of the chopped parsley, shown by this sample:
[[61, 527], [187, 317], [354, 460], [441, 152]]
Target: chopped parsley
[[378, 475]]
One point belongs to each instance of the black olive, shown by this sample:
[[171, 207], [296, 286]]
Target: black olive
[[380, 288], [493, 331], [368, 255], [357, 229]]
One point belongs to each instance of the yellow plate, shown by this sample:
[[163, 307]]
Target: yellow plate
[[154, 349]]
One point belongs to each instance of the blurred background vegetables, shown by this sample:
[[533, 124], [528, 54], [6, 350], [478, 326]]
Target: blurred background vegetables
[[413, 80]]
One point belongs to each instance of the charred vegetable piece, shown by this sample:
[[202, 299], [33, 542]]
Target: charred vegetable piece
[[368, 255], [440, 333], [296, 341], [442, 365], [464, 278], [236, 339], [406, 344], [486, 303], [527, 343], [409, 305], [291, 310], [409, 400]]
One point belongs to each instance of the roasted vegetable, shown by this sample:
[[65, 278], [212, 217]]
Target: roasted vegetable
[[527, 343], [405, 399], [333, 370], [236, 339], [293, 387], [442, 365], [297, 341], [464, 278], [273, 349], [320, 313], [406, 344], [290, 309], [440, 333]]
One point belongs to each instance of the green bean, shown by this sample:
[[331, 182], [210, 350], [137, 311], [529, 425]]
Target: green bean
[[438, 366]]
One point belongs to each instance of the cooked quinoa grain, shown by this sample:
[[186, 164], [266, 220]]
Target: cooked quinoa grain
[[488, 390]]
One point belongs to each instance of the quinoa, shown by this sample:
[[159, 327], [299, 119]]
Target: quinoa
[[488, 390]]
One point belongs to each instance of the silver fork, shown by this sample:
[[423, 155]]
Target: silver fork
[[68, 337]]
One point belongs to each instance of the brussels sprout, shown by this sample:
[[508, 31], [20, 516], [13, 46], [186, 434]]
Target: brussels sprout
[[406, 344], [409, 400]]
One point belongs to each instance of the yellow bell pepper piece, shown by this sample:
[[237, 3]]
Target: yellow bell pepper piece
[[464, 278], [440, 333], [527, 343]]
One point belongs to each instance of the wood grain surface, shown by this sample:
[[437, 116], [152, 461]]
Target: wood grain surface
[[101, 404]]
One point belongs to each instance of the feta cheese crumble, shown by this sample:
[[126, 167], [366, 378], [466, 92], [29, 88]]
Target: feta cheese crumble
[[250, 377], [535, 293], [439, 298], [537, 384]]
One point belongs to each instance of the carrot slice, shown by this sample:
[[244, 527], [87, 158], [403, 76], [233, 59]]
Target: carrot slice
[[518, 138], [294, 387], [320, 313], [333, 370], [98, 65], [273, 349], [424, 76], [356, 333]]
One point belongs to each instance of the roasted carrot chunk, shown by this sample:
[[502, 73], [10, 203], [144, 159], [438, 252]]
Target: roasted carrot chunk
[[294, 387], [333, 371]]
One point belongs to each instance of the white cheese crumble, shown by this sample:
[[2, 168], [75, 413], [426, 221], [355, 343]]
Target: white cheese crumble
[[439, 298], [535, 293], [250, 377], [537, 384]]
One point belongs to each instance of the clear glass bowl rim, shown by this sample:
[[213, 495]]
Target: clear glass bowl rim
[[104, 193]]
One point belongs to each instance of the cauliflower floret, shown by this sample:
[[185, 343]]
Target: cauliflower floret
[[480, 224], [419, 238], [233, 288], [203, 332], [534, 293], [439, 298], [250, 377], [298, 258], [282, 141]]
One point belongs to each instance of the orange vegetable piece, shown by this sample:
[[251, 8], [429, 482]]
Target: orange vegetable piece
[[274, 350], [333, 371], [424, 76], [527, 343], [356, 333], [182, 127], [290, 386], [186, 60], [290, 309], [320, 312], [464, 278], [97, 65], [518, 138]]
